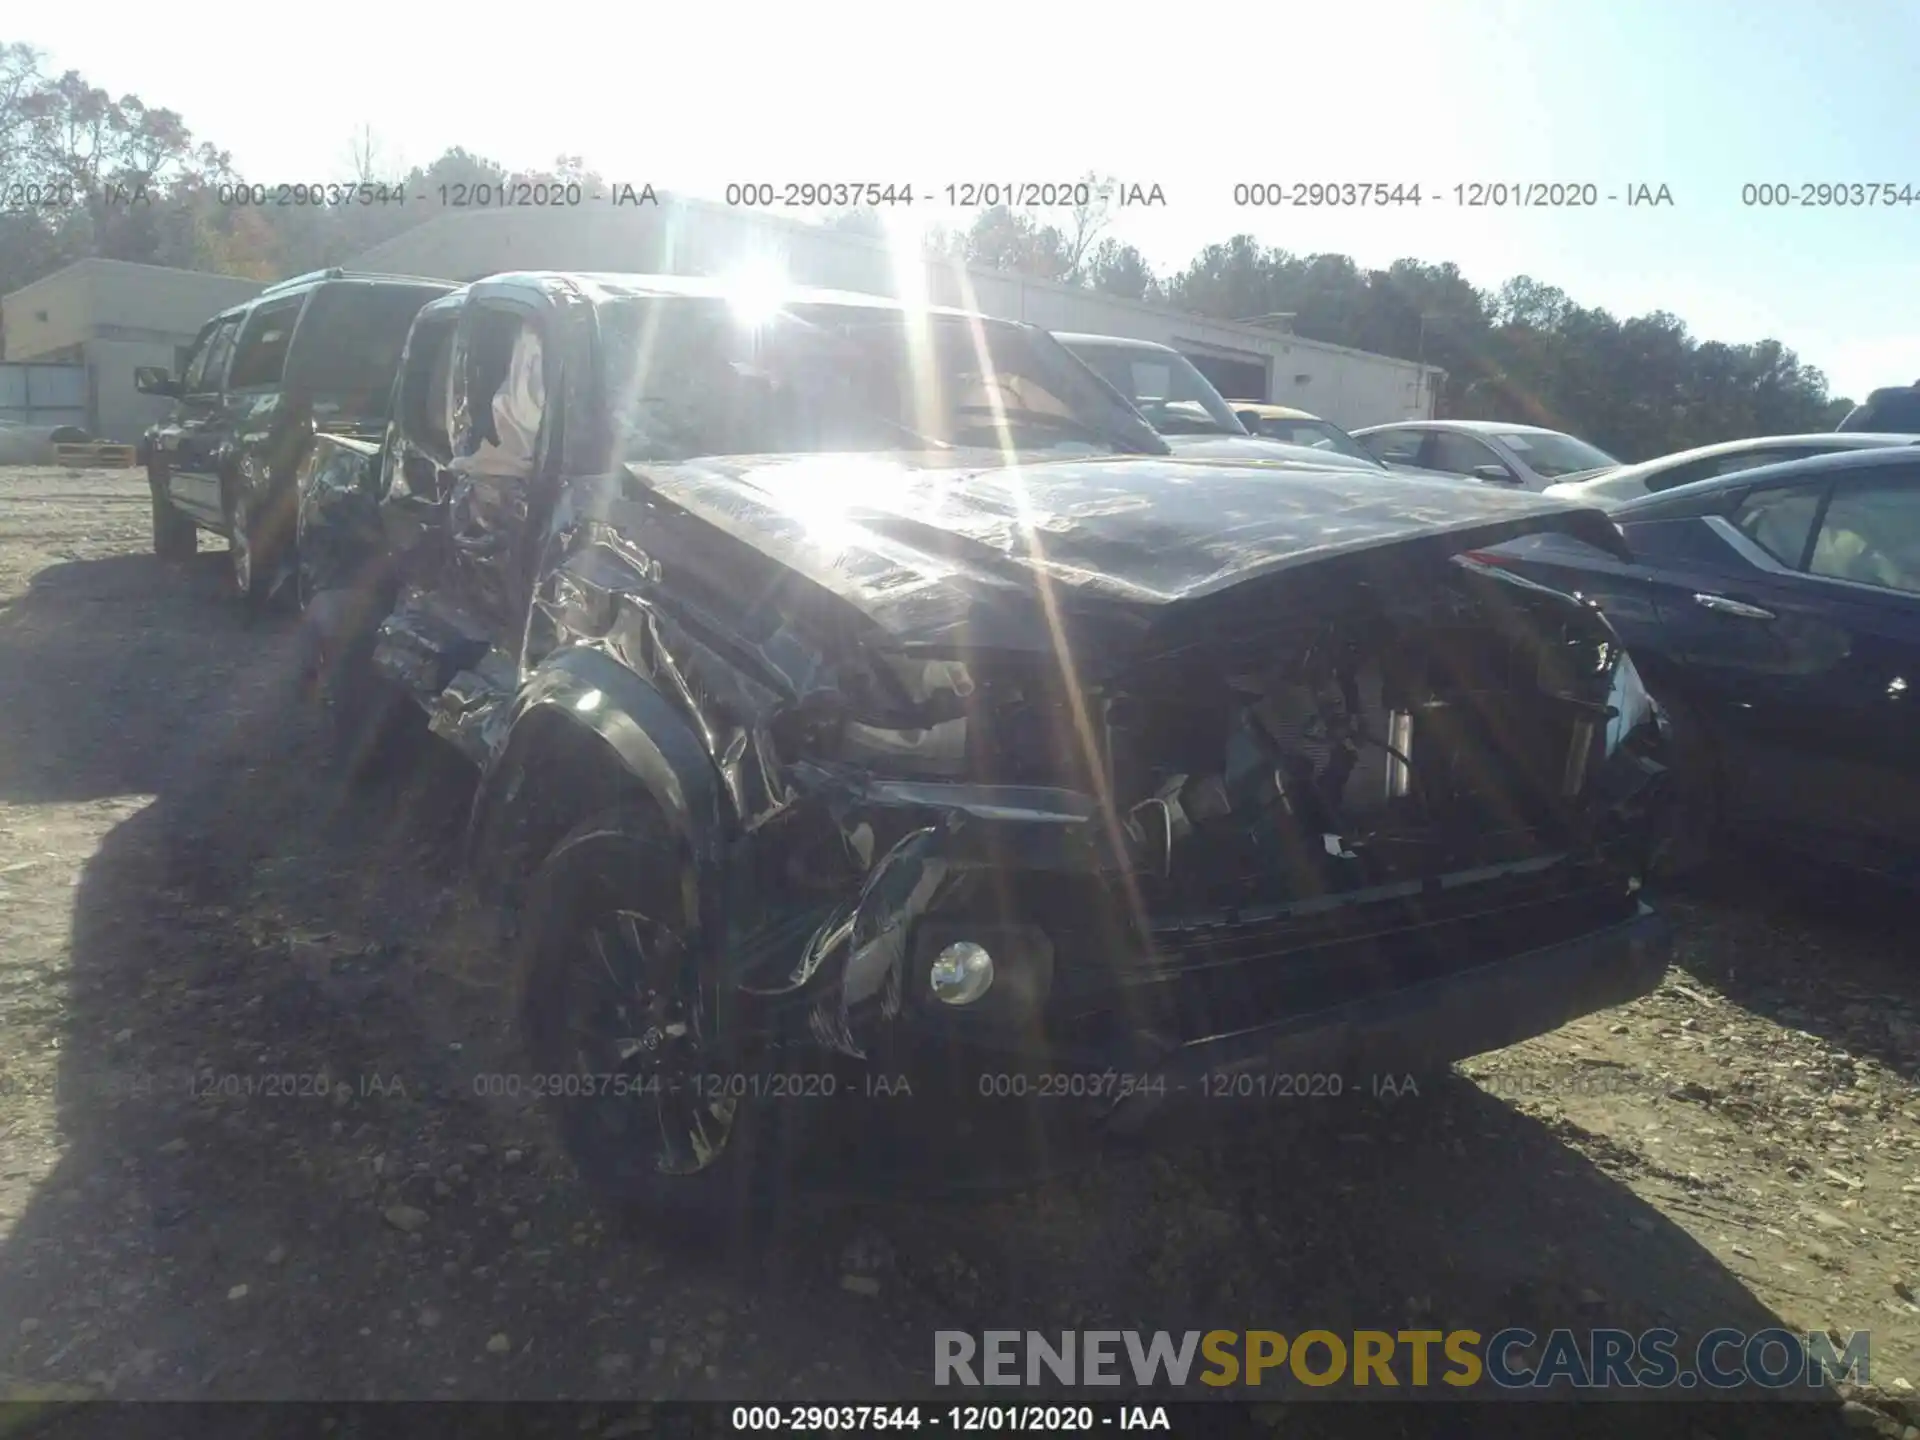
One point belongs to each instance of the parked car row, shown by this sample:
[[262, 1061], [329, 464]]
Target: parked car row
[[857, 686], [1199, 424], [316, 352]]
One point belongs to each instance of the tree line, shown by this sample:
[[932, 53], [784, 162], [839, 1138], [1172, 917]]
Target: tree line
[[86, 174]]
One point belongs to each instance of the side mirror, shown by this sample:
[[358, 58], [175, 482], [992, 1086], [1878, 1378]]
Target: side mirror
[[1494, 474], [155, 380], [1249, 419]]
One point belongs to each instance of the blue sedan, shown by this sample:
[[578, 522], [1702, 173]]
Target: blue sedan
[[1775, 612]]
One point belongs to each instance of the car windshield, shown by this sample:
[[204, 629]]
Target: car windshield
[[689, 378], [1164, 386], [1549, 453], [1316, 434]]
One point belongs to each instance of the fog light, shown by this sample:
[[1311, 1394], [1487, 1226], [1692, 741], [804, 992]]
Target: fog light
[[961, 973]]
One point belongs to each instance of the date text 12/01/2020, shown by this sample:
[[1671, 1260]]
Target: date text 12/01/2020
[[1472, 195], [465, 195], [959, 195], [962, 1419], [1099, 1085]]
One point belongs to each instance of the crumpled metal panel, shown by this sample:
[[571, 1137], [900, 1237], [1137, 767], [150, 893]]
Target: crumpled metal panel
[[471, 709], [598, 596], [339, 515], [934, 547]]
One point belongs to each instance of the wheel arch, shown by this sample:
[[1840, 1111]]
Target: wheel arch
[[594, 733]]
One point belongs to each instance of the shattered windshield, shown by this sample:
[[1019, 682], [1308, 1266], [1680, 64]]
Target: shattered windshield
[[688, 379]]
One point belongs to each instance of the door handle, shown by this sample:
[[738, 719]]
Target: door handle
[[1721, 605]]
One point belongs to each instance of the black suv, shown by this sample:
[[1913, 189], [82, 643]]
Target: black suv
[[318, 351], [1893, 410]]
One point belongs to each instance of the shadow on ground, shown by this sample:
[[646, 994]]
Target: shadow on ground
[[1819, 950]]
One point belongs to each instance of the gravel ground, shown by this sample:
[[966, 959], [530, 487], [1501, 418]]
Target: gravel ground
[[245, 1150]]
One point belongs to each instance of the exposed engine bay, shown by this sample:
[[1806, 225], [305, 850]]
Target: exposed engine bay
[[1381, 741]]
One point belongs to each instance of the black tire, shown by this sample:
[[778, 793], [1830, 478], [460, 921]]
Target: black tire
[[1691, 836], [246, 559], [607, 954], [175, 536], [374, 727]]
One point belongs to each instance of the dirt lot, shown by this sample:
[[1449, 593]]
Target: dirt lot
[[186, 896]]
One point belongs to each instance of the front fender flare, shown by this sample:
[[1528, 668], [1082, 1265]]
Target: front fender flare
[[642, 733]]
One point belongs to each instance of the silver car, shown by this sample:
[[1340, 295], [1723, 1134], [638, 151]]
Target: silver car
[[1526, 456], [1650, 477]]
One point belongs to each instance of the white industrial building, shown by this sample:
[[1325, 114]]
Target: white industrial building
[[97, 320], [681, 236]]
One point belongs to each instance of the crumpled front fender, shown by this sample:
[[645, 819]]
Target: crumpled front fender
[[641, 730]]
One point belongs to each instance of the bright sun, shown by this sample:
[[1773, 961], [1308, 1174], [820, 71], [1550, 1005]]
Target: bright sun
[[756, 290]]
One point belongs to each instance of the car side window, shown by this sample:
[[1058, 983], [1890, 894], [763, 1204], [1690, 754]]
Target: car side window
[[1459, 454], [1394, 447], [1753, 460], [1871, 535], [1686, 474], [192, 361], [260, 353], [1779, 519], [205, 370]]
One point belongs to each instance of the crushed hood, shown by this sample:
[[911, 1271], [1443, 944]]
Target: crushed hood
[[938, 550]]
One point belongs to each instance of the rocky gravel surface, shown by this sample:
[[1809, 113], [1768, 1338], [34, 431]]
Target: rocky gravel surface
[[255, 1139]]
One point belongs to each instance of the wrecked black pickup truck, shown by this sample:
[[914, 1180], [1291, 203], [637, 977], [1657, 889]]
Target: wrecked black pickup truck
[[850, 684]]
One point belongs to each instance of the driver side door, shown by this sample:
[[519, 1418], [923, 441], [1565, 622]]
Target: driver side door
[[188, 445]]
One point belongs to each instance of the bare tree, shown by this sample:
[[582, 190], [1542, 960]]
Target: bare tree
[[20, 80], [1089, 219], [367, 155]]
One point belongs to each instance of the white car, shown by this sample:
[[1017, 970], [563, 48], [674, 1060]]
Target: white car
[[1187, 412], [1526, 456], [1650, 477]]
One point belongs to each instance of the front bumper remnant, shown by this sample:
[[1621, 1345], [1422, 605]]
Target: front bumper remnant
[[1426, 1026]]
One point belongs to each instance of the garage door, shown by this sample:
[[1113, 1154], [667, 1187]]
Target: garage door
[[43, 396]]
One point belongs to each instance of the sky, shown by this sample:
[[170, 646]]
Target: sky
[[1701, 96]]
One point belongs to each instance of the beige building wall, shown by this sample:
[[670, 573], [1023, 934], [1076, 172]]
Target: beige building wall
[[112, 316]]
